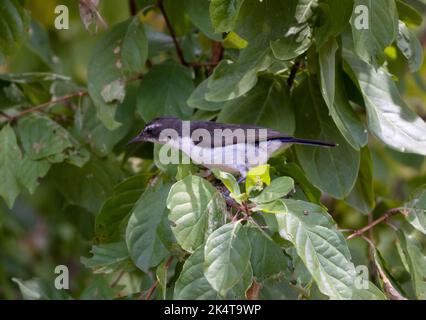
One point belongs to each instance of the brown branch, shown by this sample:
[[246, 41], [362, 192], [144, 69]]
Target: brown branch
[[372, 224], [179, 51], [50, 103], [133, 7], [155, 284]]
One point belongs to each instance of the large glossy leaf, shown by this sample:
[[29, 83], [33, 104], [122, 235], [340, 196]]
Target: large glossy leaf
[[267, 258], [10, 157], [232, 80], [333, 170], [268, 104], [389, 118], [334, 95], [147, 225], [192, 284], [374, 28], [164, 91], [14, 26], [196, 210], [121, 53], [227, 256], [322, 248]]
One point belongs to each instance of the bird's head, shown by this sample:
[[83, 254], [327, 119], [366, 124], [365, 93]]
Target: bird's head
[[153, 129]]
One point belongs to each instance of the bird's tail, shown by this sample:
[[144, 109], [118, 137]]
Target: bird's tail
[[307, 142]]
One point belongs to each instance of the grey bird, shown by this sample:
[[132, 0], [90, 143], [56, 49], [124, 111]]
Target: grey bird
[[233, 148]]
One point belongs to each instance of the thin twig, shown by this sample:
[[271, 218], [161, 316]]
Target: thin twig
[[50, 103], [116, 281], [6, 116], [133, 7], [372, 224], [172, 33], [155, 284]]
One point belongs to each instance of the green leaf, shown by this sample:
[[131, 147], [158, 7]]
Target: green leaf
[[268, 104], [267, 258], [10, 159], [99, 289], [42, 137], [88, 128], [416, 209], [389, 118], [372, 293], [333, 18], [333, 170], [278, 188], [111, 221], [196, 210], [230, 183], [416, 261], [198, 12], [374, 29], [408, 14], [40, 289], [322, 248], [14, 26], [107, 258], [233, 40], [223, 14], [144, 234], [362, 196], [305, 10], [197, 100], [87, 187], [38, 43], [164, 91], [120, 54], [232, 80], [275, 207], [258, 176], [227, 256], [192, 284], [410, 47], [334, 95], [30, 173]]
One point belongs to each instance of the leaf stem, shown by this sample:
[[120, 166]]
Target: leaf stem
[[372, 224], [155, 284]]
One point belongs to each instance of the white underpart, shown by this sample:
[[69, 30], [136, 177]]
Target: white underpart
[[234, 158]]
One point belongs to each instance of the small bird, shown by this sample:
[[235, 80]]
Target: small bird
[[229, 147]]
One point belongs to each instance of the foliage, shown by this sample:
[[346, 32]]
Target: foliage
[[72, 193]]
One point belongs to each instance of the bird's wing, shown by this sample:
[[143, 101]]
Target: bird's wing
[[229, 134]]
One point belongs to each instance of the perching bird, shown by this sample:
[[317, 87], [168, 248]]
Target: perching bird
[[229, 147]]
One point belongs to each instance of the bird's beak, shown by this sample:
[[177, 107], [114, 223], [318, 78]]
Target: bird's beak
[[136, 139]]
